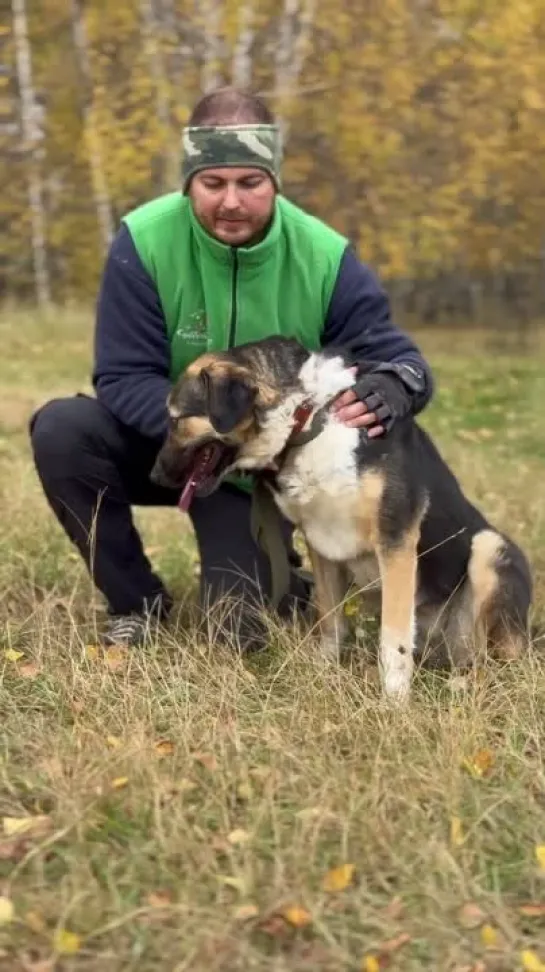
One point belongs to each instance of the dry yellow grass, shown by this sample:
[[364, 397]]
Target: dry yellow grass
[[184, 807]]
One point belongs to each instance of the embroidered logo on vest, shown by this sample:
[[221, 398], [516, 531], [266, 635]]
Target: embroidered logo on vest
[[195, 329]]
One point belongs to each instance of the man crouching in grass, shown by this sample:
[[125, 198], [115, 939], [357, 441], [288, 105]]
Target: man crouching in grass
[[182, 277]]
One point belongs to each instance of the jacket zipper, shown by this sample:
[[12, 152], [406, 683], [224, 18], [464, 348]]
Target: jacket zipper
[[233, 324]]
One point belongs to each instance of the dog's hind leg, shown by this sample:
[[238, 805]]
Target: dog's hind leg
[[330, 586], [501, 588], [398, 571]]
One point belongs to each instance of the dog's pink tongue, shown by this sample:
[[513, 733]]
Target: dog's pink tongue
[[187, 494], [195, 477]]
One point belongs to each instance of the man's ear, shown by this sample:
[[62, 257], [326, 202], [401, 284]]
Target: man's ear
[[230, 399]]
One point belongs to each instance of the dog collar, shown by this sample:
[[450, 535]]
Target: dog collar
[[300, 418], [299, 435]]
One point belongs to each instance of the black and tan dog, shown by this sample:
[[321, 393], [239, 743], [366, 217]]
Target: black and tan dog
[[387, 510]]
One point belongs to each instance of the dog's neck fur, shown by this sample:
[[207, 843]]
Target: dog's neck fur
[[320, 380], [324, 377]]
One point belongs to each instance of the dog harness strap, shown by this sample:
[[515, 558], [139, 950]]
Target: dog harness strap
[[265, 524]]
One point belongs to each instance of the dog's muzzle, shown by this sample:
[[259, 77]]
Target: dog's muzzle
[[194, 471]]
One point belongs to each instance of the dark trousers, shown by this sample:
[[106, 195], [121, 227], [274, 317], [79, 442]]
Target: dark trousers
[[93, 469]]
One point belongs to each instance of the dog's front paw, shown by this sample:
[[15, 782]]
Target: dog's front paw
[[397, 687], [396, 668]]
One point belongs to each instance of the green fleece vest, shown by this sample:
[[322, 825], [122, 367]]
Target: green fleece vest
[[215, 296]]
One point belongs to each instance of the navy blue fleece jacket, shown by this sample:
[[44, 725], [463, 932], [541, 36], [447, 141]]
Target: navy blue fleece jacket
[[132, 354]]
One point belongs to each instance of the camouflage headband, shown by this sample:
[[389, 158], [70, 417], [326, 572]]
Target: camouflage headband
[[208, 147]]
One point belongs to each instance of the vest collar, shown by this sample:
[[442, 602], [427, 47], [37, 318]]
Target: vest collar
[[246, 255]]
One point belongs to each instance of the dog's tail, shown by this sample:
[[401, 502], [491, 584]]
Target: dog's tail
[[501, 586]]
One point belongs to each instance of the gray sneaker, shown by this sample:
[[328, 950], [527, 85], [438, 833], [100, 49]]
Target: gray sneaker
[[127, 630]]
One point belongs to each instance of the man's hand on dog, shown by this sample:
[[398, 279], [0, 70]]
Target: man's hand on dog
[[374, 403]]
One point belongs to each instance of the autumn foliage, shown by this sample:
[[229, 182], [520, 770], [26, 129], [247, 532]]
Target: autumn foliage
[[417, 128]]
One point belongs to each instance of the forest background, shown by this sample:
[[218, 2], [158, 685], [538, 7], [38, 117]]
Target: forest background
[[416, 127]]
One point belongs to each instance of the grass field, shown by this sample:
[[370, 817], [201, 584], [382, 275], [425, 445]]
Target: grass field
[[185, 810]]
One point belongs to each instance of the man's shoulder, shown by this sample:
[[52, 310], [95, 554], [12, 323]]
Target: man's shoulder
[[161, 209], [307, 225]]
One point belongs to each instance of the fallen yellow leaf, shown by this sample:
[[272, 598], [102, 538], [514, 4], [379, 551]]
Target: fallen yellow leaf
[[244, 791], [296, 916], [238, 883], [66, 942], [114, 658], [246, 912], [114, 742], [339, 878], [37, 826], [490, 936], [456, 832], [7, 910], [382, 957], [11, 655], [238, 836], [540, 856], [164, 747], [480, 764], [119, 782], [351, 609], [91, 652], [531, 962]]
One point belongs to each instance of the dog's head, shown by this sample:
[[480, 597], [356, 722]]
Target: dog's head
[[218, 409]]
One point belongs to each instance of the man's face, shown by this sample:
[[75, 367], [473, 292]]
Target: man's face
[[233, 204]]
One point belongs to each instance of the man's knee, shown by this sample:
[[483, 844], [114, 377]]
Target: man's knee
[[59, 430]]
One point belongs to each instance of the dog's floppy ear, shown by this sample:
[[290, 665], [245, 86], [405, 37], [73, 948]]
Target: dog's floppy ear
[[230, 397]]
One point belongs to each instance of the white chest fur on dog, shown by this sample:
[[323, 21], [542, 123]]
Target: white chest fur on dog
[[321, 488]]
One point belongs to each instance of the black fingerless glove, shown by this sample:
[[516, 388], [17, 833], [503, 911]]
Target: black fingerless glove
[[389, 391]]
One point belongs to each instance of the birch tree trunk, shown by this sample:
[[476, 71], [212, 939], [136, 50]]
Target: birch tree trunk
[[294, 32], [10, 123], [151, 19], [211, 14], [99, 180], [241, 69], [31, 137], [183, 39]]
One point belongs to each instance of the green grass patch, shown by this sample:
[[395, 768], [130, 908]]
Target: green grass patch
[[180, 800]]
